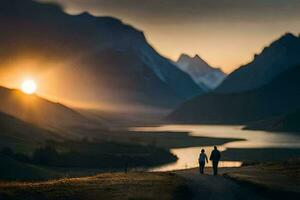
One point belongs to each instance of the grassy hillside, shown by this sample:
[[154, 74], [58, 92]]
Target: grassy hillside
[[39, 111], [119, 186], [11, 169], [22, 136], [276, 179]]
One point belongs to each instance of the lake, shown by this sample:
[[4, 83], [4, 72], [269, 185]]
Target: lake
[[188, 157]]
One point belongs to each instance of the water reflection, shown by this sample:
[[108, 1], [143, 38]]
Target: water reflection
[[188, 157], [253, 139]]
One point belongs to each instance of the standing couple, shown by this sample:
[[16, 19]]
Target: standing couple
[[215, 157]]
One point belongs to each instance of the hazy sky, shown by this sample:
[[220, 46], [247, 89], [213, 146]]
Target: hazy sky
[[226, 33]]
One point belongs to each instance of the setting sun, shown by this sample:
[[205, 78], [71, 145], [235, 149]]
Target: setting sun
[[29, 86]]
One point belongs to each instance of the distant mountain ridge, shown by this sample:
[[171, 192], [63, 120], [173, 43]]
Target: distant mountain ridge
[[102, 60], [279, 56]]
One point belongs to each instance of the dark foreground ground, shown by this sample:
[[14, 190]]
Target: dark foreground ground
[[276, 180], [217, 187], [117, 186]]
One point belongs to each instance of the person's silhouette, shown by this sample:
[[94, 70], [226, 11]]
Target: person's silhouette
[[215, 157], [202, 159]]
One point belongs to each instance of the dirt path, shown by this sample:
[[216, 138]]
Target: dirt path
[[210, 187]]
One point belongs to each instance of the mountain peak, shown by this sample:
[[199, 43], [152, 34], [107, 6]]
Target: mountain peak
[[289, 36], [183, 56], [86, 14], [197, 57], [199, 60], [186, 57], [200, 71]]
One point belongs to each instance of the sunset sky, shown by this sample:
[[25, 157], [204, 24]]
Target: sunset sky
[[226, 33]]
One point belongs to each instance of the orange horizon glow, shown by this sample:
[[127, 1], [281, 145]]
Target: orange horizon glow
[[48, 82]]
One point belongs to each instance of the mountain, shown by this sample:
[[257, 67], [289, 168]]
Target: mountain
[[38, 111], [281, 95], [281, 55], [96, 61], [200, 71], [16, 133], [285, 123]]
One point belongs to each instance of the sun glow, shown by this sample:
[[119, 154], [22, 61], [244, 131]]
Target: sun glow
[[29, 86]]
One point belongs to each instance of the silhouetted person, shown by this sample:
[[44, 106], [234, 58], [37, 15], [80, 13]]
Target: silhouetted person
[[202, 159], [126, 167], [215, 158]]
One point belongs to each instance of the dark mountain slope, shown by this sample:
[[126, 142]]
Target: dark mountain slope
[[280, 96], [18, 134], [36, 110], [285, 123], [281, 55]]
